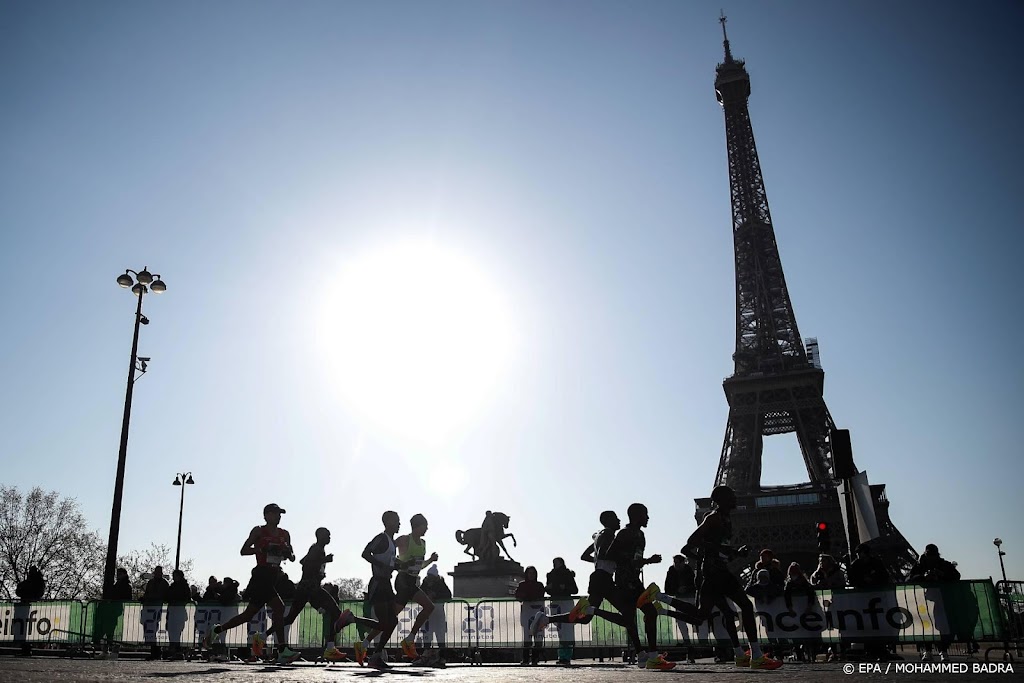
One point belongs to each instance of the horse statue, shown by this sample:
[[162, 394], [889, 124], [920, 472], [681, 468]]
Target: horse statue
[[485, 540]]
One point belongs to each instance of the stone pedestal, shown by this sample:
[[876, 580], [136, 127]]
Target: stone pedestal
[[495, 579]]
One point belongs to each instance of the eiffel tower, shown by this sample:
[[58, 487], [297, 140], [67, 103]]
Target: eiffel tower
[[777, 386]]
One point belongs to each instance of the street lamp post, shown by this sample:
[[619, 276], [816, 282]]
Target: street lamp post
[[998, 543], [143, 282], [181, 480]]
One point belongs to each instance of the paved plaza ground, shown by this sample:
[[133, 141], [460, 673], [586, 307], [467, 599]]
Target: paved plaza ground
[[46, 669]]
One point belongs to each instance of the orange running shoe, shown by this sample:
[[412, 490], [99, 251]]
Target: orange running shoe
[[649, 595], [659, 663], [409, 650], [579, 610], [360, 653], [764, 662], [257, 643]]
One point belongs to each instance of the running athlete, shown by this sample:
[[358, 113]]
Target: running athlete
[[602, 587], [710, 544], [271, 545], [380, 553], [309, 589], [412, 550], [627, 551]]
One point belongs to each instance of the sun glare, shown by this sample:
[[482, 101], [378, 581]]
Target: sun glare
[[417, 337]]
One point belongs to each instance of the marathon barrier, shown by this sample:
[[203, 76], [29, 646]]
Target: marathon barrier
[[55, 622], [1011, 608], [963, 611]]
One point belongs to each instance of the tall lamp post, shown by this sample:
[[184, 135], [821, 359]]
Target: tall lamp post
[[143, 282], [181, 480], [998, 543]]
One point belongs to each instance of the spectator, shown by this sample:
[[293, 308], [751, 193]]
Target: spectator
[[561, 586], [332, 590], [33, 587], [436, 627], [797, 583], [680, 579], [108, 613], [155, 593], [196, 595], [828, 574], [229, 591], [931, 567], [30, 589], [867, 571], [768, 561], [434, 586], [530, 592], [213, 591], [178, 595], [156, 587], [761, 586]]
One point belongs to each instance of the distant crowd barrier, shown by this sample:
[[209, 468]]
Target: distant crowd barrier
[[963, 611]]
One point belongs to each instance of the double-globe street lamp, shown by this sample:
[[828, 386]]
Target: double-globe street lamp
[[181, 480], [143, 282]]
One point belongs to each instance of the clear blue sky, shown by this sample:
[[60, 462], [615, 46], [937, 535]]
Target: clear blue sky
[[567, 161]]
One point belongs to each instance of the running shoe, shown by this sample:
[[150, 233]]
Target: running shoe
[[257, 643], [333, 654], [210, 637], [379, 661], [287, 655], [343, 620], [360, 653], [409, 650], [649, 595], [743, 660], [540, 622], [764, 662], [659, 663], [579, 610]]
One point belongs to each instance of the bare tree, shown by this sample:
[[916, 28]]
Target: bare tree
[[50, 532], [350, 589]]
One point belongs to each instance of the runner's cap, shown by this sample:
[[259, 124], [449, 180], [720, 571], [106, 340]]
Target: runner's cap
[[273, 507]]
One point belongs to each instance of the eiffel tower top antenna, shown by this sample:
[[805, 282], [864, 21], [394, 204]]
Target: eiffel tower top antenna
[[725, 37]]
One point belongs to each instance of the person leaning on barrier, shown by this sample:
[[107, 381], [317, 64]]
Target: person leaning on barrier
[[828, 574], [932, 567], [228, 594], [213, 590], [680, 578], [767, 560], [761, 586], [561, 586], [867, 571]]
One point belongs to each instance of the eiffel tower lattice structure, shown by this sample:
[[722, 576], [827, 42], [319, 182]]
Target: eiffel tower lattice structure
[[777, 386]]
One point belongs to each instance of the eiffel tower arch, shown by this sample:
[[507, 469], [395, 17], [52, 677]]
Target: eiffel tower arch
[[776, 386]]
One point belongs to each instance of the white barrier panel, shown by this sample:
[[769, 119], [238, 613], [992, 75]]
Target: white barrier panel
[[37, 621], [906, 612]]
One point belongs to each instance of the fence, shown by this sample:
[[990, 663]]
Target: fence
[[1011, 602], [964, 611]]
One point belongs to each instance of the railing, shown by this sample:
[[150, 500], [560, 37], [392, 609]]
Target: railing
[[964, 611]]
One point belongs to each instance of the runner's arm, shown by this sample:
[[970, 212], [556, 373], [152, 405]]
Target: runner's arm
[[249, 547]]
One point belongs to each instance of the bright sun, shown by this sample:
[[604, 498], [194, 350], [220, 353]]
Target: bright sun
[[417, 337]]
